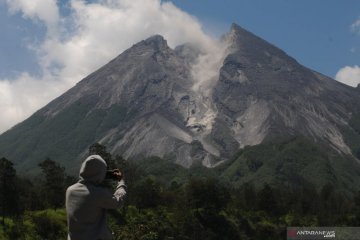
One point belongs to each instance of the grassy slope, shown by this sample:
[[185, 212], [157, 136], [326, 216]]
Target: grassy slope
[[290, 163], [60, 138], [293, 163]]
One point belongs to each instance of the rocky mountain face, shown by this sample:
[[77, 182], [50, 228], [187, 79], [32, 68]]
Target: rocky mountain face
[[149, 101], [263, 94]]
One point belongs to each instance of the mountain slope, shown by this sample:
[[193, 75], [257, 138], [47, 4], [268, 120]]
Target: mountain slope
[[140, 96], [149, 102], [264, 94], [295, 162]]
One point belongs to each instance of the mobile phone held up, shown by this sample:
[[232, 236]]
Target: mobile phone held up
[[114, 174]]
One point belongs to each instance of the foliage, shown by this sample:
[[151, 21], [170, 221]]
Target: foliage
[[53, 185], [9, 194], [294, 162], [166, 201], [47, 224], [98, 149], [36, 225]]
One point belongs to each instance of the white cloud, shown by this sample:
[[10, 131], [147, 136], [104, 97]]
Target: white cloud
[[22, 97], [349, 75], [77, 44], [45, 11]]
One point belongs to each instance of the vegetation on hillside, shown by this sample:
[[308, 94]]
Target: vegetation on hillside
[[166, 201]]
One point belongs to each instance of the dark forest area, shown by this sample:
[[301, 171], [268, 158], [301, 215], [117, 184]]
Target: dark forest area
[[166, 201]]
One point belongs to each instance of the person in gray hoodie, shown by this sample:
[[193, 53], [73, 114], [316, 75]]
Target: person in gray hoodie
[[86, 201]]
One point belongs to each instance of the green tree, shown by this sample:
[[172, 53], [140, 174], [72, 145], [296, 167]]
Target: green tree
[[356, 201], [147, 193], [266, 200], [54, 183], [98, 149], [249, 195], [206, 193], [9, 194], [30, 197], [132, 172]]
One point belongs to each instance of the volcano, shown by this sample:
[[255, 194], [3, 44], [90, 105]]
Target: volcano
[[153, 100]]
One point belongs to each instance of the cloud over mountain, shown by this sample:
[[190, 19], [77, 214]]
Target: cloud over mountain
[[85, 38], [349, 75]]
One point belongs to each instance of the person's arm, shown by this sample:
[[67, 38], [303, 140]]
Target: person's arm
[[112, 201], [120, 191]]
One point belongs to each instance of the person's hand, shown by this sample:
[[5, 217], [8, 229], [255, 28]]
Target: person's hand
[[117, 174]]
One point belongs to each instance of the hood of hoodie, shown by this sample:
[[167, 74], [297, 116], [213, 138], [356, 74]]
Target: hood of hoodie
[[93, 169]]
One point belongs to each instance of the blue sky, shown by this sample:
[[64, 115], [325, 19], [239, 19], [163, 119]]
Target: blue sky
[[47, 45], [316, 32]]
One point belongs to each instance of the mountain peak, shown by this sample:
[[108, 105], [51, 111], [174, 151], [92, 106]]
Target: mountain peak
[[156, 41], [240, 37], [239, 31], [235, 27], [255, 49]]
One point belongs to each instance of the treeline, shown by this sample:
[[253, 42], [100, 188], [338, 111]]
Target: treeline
[[33, 209], [166, 201], [19, 194]]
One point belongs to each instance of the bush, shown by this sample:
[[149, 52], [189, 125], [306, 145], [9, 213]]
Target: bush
[[9, 229], [46, 224]]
